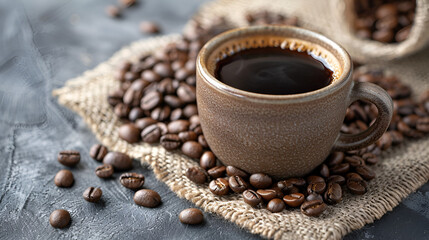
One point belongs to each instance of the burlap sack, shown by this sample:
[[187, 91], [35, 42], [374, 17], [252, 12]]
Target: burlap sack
[[333, 18], [401, 171]]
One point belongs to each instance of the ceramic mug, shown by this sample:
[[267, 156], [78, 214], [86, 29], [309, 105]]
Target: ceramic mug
[[282, 135]]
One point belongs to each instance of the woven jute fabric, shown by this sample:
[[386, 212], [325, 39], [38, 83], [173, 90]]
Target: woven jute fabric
[[400, 172]]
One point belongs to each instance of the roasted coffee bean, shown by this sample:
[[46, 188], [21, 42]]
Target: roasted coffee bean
[[173, 101], [187, 136], [276, 205], [59, 218], [260, 180], [208, 160], [411, 120], [267, 194], [144, 122], [196, 128], [314, 179], [104, 171], [216, 172], [339, 169], [384, 36], [234, 171], [121, 110], [356, 184], [189, 111], [192, 149], [422, 125], [407, 131], [113, 11], [334, 193], [166, 86], [219, 186], [147, 198], [197, 175], [163, 127], [324, 171], [64, 178], [314, 196], [176, 114], [251, 197], [115, 97], [335, 158], [186, 93], [151, 100], [132, 180], [370, 158], [313, 208], [92, 194], [354, 161], [163, 69], [365, 172], [316, 187], [151, 134], [149, 27], [129, 132], [284, 185], [161, 113], [237, 184], [337, 179], [119, 161], [202, 141], [170, 141], [191, 216], [135, 114], [294, 199], [178, 126], [127, 3], [134, 94], [69, 158], [150, 76]]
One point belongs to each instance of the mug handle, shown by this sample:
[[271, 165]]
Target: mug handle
[[372, 93]]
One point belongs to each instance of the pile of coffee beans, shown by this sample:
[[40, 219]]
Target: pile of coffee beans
[[264, 17], [385, 21], [156, 103]]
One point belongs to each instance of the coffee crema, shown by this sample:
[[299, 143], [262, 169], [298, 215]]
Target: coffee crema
[[274, 70]]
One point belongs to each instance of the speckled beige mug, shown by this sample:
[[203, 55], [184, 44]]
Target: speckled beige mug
[[282, 135]]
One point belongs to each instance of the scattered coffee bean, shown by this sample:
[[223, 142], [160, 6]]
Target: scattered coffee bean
[[113, 11], [356, 184], [187, 136], [324, 171], [267, 194], [260, 180], [59, 218], [313, 208], [104, 171], [98, 152], [237, 184], [294, 199], [337, 179], [365, 172], [234, 171], [149, 27], [178, 126], [216, 172], [127, 3], [334, 193], [191, 216], [69, 158], [197, 175], [192, 149], [219, 186], [276, 205], [129, 132], [92, 194], [170, 141], [151, 134], [208, 160], [64, 178], [147, 198], [119, 161], [142, 123], [251, 197], [339, 169], [335, 158], [132, 180]]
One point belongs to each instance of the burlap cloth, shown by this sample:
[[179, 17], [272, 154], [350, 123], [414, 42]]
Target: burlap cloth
[[401, 171]]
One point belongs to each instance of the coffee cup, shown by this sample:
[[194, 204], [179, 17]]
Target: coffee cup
[[282, 135]]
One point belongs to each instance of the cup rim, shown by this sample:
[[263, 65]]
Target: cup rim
[[259, 97]]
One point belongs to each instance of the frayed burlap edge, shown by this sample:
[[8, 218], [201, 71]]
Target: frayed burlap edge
[[401, 172]]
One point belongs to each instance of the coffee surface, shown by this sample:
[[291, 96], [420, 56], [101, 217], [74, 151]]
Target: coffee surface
[[273, 70]]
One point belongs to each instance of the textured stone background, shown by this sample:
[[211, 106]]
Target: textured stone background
[[42, 44]]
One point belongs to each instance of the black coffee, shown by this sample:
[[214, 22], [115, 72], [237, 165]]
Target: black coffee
[[273, 70]]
